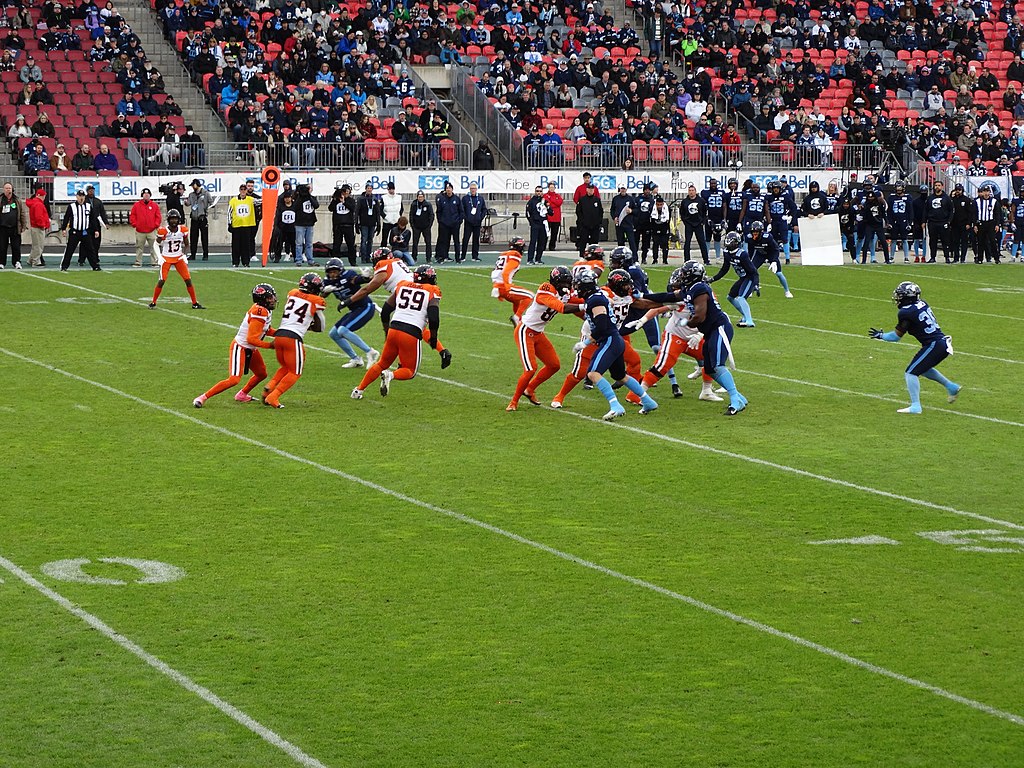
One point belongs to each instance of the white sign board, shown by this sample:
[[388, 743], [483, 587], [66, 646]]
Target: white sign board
[[821, 245]]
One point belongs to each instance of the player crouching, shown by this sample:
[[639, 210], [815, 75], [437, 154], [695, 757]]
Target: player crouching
[[411, 313], [304, 311], [173, 240], [244, 353]]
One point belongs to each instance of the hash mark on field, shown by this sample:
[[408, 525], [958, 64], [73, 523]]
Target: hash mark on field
[[85, 408], [300, 756], [181, 679]]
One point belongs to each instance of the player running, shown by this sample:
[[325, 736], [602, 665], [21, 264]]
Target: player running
[[173, 243], [609, 348], [410, 311], [343, 283], [706, 316], [748, 281], [244, 352], [916, 318], [303, 311], [762, 248], [504, 272], [552, 298]]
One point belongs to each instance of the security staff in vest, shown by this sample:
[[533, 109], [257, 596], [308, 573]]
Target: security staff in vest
[[242, 226], [474, 209], [642, 220], [343, 223], [199, 202], [449, 217], [938, 212], [589, 216], [694, 213], [988, 227]]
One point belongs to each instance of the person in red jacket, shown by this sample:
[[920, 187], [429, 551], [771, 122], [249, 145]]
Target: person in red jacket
[[554, 201], [731, 143], [39, 225], [581, 190], [145, 217]]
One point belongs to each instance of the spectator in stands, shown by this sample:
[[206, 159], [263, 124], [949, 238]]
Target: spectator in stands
[[39, 225], [42, 127], [483, 158], [145, 217], [30, 71], [37, 159], [7, 63], [148, 105], [105, 161], [129, 106], [19, 130], [83, 160], [60, 160], [169, 149]]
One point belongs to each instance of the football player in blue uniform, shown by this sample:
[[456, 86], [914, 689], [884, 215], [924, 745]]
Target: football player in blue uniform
[[733, 205], [342, 284], [714, 199], [916, 318], [763, 249], [623, 258], [1017, 227], [901, 222], [747, 282], [610, 346], [784, 214], [688, 285], [754, 207]]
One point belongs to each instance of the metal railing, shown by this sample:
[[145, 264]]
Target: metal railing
[[491, 122], [457, 132], [693, 156], [304, 156]]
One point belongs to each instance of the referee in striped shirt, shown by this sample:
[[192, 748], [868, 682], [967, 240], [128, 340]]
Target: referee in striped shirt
[[988, 226], [78, 229]]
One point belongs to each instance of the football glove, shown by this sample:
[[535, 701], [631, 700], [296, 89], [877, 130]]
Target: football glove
[[494, 293], [578, 346], [773, 266], [446, 358], [694, 341], [636, 324], [875, 333], [366, 272], [757, 290]]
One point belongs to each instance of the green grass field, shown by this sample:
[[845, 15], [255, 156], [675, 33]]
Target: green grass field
[[428, 580]]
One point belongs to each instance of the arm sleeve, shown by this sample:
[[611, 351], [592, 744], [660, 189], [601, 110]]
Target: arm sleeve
[[385, 314], [255, 334], [602, 324], [433, 322], [667, 297]]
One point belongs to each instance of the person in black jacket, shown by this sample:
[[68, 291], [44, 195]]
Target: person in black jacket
[[284, 228], [875, 213], [483, 158], [642, 221], [694, 213], [99, 215], [988, 226], [421, 219], [305, 221], [537, 217], [659, 230], [961, 225], [343, 223], [369, 210], [625, 229], [449, 217], [589, 213], [938, 212], [474, 209]]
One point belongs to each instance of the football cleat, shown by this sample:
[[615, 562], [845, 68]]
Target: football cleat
[[676, 391], [372, 357], [532, 398], [556, 404], [952, 396], [614, 413], [709, 395], [385, 382], [243, 397], [357, 394], [731, 411], [264, 295], [198, 402], [742, 324], [511, 407], [197, 305], [355, 362], [789, 294], [647, 405], [695, 373], [588, 384], [446, 358], [909, 409], [152, 304]]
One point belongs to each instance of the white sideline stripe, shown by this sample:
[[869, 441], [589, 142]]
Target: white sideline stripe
[[539, 546], [889, 301], [657, 435], [134, 648], [861, 337], [944, 279]]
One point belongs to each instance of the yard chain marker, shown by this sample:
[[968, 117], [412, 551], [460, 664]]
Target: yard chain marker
[[300, 756]]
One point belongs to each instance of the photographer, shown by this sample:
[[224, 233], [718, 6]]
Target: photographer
[[343, 223], [174, 190], [199, 203]]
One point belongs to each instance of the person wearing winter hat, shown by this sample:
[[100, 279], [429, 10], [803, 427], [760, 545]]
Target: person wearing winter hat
[[39, 225]]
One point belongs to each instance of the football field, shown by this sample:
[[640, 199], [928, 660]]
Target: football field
[[428, 580]]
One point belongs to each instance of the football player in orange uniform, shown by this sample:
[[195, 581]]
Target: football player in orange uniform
[[173, 240], [303, 311], [593, 259], [505, 268], [552, 298], [244, 353], [412, 310]]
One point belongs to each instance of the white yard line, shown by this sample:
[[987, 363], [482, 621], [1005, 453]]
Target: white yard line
[[135, 649], [889, 302], [929, 276], [618, 424], [533, 544]]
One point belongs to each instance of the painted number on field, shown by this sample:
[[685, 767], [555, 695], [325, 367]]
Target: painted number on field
[[1003, 289], [152, 571], [993, 540], [87, 300]]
